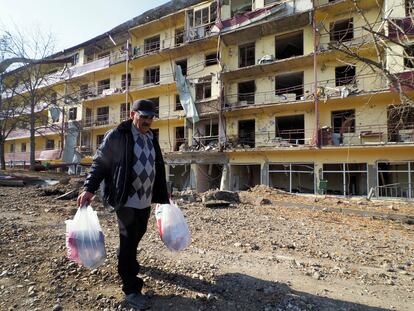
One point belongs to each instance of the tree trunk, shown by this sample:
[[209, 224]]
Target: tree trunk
[[32, 137], [2, 158]]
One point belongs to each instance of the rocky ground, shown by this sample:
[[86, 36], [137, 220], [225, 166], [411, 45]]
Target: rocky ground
[[271, 251]]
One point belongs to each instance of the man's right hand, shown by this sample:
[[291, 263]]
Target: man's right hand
[[85, 198]]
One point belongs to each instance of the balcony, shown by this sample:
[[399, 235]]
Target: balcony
[[174, 42], [302, 93], [299, 138], [348, 37], [94, 93], [93, 66], [99, 120], [364, 135]]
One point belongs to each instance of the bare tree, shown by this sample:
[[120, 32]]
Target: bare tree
[[387, 36], [30, 86]]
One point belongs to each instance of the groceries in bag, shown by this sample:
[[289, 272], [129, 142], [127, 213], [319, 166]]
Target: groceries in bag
[[85, 241], [172, 227]]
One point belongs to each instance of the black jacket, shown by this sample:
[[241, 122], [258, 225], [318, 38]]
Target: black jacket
[[113, 164]]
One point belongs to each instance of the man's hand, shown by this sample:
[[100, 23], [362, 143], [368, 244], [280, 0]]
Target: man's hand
[[84, 198]]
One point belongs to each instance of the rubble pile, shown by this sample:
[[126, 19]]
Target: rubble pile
[[248, 256]]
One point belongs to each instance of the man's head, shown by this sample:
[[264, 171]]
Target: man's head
[[142, 113]]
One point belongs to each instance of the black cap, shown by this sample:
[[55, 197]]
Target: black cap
[[144, 107]]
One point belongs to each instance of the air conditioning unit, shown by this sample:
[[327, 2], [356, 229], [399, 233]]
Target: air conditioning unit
[[243, 103]]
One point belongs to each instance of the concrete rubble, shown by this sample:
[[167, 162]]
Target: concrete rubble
[[265, 252]]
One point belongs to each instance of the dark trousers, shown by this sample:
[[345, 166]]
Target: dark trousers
[[132, 227]]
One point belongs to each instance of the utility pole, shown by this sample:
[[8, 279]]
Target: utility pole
[[126, 77], [315, 77]]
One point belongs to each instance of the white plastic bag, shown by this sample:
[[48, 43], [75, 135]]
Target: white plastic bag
[[172, 226], [84, 239]]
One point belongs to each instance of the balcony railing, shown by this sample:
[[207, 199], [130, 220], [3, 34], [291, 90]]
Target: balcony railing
[[95, 92], [365, 135], [189, 35], [327, 89], [99, 120]]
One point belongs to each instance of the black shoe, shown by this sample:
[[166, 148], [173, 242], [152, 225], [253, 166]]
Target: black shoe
[[137, 301]]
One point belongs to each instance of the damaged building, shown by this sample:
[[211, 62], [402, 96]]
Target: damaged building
[[248, 93]]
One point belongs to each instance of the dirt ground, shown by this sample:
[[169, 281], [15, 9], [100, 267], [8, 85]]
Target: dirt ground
[[272, 251]]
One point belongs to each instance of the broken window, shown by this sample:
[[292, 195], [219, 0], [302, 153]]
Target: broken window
[[342, 30], [210, 133], [183, 64], [400, 123], [73, 112], [103, 85], [179, 137], [240, 6], [178, 103], [152, 44], [291, 128], [124, 80], [409, 57], [190, 18], [23, 147], [203, 89], [156, 101], [289, 86], [244, 177], [213, 11], [179, 36], [343, 121], [208, 176], [345, 178], [201, 16], [211, 59], [99, 139], [152, 75], [245, 92], [102, 115], [395, 179], [292, 177], [247, 55], [345, 75], [179, 176], [75, 58], [12, 148], [289, 45], [246, 133], [124, 111], [50, 144]]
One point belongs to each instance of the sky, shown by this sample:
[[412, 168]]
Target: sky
[[70, 21]]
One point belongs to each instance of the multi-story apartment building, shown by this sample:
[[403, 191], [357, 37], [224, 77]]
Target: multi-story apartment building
[[281, 93]]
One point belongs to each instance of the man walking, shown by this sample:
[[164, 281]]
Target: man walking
[[130, 163]]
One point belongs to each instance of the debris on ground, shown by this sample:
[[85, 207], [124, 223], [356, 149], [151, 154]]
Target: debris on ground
[[267, 252]]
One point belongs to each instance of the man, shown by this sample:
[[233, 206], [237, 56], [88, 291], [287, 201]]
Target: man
[[130, 163]]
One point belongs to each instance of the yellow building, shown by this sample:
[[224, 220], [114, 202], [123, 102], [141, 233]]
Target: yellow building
[[253, 69]]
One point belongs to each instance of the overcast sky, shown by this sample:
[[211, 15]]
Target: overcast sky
[[71, 21]]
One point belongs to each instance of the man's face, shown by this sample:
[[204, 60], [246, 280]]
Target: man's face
[[142, 123]]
